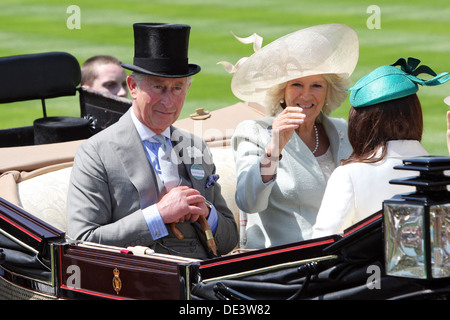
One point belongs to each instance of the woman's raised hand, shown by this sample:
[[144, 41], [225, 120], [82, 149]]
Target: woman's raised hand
[[283, 128]]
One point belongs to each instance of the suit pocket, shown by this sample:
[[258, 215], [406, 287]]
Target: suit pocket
[[188, 247]]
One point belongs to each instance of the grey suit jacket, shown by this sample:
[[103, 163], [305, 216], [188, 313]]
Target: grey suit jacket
[[112, 180]]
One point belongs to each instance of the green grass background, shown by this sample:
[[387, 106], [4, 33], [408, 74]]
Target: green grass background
[[414, 28]]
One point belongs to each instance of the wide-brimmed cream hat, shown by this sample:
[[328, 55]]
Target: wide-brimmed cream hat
[[322, 49]]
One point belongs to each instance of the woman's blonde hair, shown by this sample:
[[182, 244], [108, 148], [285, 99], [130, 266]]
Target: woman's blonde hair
[[336, 95]]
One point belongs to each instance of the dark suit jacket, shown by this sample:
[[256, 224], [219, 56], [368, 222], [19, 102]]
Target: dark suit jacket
[[112, 180]]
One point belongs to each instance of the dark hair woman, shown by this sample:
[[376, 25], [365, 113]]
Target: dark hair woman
[[372, 127]]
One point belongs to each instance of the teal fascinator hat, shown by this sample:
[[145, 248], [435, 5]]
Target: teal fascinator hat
[[389, 82]]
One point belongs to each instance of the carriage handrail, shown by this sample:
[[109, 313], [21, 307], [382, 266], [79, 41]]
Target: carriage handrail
[[270, 268]]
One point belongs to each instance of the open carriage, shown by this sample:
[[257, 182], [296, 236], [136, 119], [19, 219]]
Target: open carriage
[[38, 261]]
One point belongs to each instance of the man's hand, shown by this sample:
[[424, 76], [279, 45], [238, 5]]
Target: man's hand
[[182, 204]]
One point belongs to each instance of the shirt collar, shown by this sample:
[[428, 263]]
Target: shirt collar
[[145, 133]]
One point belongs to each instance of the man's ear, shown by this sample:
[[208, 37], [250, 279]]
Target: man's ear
[[132, 86]]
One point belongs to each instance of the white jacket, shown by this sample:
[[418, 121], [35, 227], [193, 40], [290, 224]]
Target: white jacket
[[357, 190]]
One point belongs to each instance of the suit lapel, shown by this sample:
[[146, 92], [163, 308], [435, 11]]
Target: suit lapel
[[184, 146], [131, 153], [334, 137], [128, 146]]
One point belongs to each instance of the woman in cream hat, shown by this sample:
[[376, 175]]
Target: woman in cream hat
[[283, 161], [385, 127]]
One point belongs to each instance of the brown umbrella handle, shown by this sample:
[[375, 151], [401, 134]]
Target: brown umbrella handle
[[205, 228], [177, 232], [208, 233]]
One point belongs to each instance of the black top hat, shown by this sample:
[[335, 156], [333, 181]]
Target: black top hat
[[161, 49]]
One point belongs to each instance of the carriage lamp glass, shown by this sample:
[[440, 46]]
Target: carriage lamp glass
[[417, 224]]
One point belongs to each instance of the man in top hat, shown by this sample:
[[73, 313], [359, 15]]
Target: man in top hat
[[136, 180]]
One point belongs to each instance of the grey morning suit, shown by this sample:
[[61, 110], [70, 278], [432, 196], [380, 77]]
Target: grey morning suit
[[112, 180]]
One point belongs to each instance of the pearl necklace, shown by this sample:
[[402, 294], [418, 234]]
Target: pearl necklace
[[317, 139]]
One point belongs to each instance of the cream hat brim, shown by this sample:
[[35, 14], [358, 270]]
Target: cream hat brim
[[322, 49], [447, 101]]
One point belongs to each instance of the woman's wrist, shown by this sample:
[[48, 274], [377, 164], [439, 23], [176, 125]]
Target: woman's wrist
[[269, 156], [272, 152], [268, 166]]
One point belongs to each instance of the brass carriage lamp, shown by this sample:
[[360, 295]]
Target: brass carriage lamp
[[417, 224]]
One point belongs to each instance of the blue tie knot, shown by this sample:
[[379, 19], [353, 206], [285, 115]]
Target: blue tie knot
[[165, 145]]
